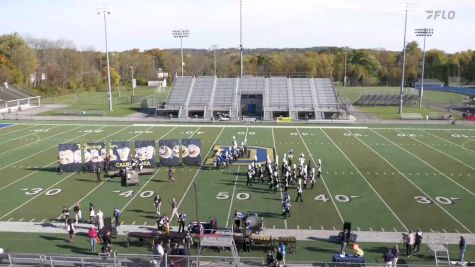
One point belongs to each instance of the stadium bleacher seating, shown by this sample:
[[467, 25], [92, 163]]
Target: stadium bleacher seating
[[279, 94]]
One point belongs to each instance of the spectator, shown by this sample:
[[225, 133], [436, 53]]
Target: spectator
[[462, 247], [159, 252], [270, 262], [388, 258], [71, 230], [282, 249], [343, 241], [418, 241], [279, 257], [409, 241], [92, 238], [396, 253]]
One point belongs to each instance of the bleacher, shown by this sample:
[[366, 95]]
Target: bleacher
[[278, 93], [302, 92], [252, 85], [385, 99], [291, 96], [15, 98], [224, 95], [179, 94], [201, 92], [326, 95]]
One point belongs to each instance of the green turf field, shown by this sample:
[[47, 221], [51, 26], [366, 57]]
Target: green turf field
[[378, 178]]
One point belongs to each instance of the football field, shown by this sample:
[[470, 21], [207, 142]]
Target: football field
[[381, 178]]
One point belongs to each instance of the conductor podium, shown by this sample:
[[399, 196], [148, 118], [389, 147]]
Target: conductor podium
[[130, 177]]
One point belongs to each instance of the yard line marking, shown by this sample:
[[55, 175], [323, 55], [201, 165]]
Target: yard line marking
[[122, 222], [321, 176], [321, 227], [16, 130], [20, 220], [58, 181], [32, 220], [39, 194], [16, 181], [382, 229], [371, 229], [198, 170], [145, 223], [133, 223], [298, 227], [43, 220], [426, 163], [235, 183], [276, 155], [395, 230], [232, 197], [446, 140], [444, 230], [411, 182], [456, 230], [151, 178], [358, 228], [9, 219], [441, 152], [309, 227], [366, 180], [106, 180], [23, 136], [28, 144], [334, 229]]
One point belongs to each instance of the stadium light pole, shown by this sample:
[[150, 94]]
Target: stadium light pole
[[240, 37], [346, 48], [133, 87], [424, 32], [181, 33], [214, 47], [407, 6], [105, 12]]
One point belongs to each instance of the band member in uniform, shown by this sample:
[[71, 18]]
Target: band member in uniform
[[171, 174]]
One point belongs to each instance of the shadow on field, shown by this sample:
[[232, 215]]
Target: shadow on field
[[266, 214], [322, 250], [53, 238], [43, 169], [87, 180], [75, 249]]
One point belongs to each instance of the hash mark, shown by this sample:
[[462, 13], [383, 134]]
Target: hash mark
[[358, 228], [371, 229], [321, 226], [395, 230], [133, 223], [444, 230], [145, 223], [298, 227], [382, 229], [334, 229]]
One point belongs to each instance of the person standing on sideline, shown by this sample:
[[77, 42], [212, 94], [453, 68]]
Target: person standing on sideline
[[70, 229], [92, 213], [181, 222], [395, 252], [92, 234], [174, 209], [282, 249], [159, 252], [116, 216], [418, 241], [157, 201], [343, 241], [78, 213], [462, 247], [409, 241], [299, 194], [388, 258], [100, 219]]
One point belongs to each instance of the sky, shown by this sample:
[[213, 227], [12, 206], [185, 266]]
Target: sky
[[146, 24]]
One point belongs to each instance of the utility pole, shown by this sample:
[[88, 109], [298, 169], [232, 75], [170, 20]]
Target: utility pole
[[425, 32], [403, 67], [105, 12]]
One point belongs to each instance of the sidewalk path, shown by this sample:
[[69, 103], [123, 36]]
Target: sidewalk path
[[363, 236]]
